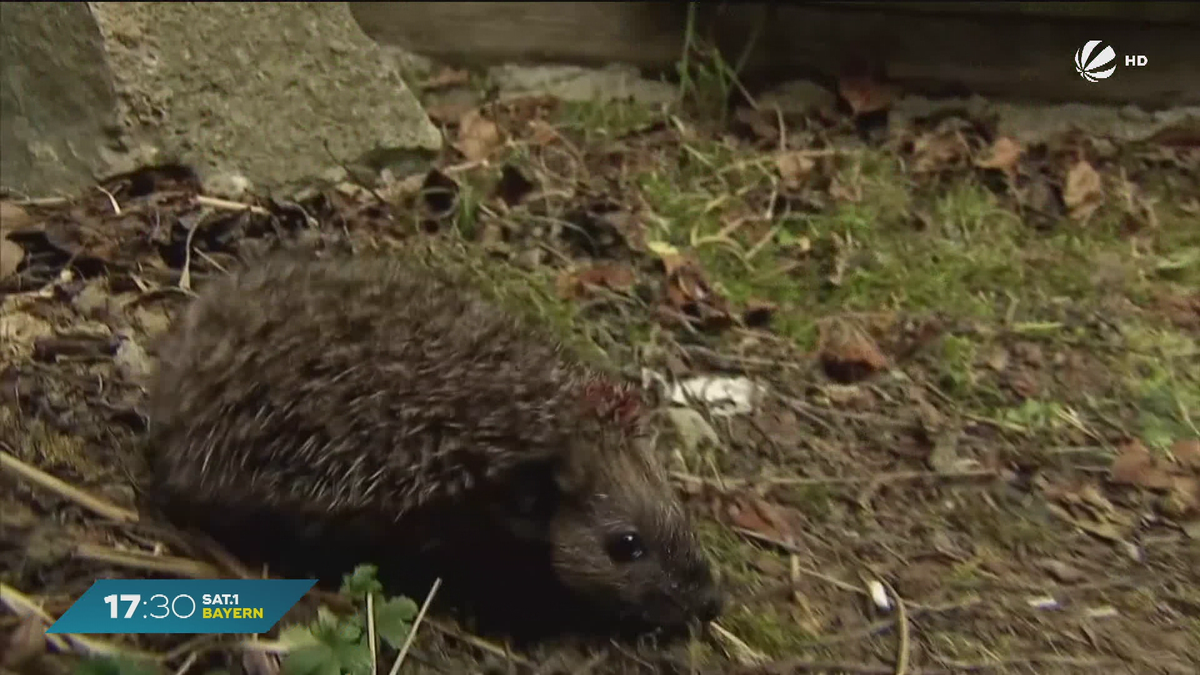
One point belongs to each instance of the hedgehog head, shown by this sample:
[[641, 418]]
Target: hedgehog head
[[619, 537]]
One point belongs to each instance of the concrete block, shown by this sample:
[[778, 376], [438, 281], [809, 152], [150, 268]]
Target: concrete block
[[276, 92]]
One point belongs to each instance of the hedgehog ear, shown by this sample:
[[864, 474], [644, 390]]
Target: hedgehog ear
[[570, 473]]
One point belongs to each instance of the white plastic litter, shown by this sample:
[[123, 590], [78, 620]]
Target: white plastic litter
[[724, 396], [879, 595]]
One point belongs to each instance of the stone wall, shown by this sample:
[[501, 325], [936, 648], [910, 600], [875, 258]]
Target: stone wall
[[275, 92]]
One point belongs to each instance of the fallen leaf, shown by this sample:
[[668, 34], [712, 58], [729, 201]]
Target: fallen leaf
[[1003, 156], [1186, 452], [866, 95], [1135, 466], [542, 133], [1082, 193], [13, 217], [847, 353], [794, 168], [1183, 497], [11, 255], [762, 517], [574, 285], [477, 136], [939, 150]]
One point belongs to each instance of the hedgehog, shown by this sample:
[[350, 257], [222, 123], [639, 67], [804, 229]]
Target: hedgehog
[[378, 396]]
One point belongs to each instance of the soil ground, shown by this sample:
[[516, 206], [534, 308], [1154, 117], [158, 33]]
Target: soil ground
[[976, 446]]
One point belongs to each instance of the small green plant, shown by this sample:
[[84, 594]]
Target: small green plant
[[334, 645], [706, 80]]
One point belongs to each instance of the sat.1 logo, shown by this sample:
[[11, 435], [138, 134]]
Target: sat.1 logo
[[1097, 61]]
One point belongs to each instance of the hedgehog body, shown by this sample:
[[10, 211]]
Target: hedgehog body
[[370, 394]]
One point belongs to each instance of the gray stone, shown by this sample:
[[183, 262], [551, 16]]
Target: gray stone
[[57, 100], [275, 92], [577, 83]]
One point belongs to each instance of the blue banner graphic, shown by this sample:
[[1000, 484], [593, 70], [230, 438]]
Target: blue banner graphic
[[182, 606]]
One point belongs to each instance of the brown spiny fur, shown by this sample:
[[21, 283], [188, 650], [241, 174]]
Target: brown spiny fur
[[370, 390]]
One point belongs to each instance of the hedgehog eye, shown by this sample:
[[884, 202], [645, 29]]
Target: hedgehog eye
[[626, 547]]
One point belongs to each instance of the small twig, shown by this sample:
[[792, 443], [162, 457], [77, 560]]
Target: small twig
[[182, 567], [187, 663], [111, 200], [227, 205], [746, 651], [185, 276], [23, 606], [372, 644], [43, 201], [42, 479], [412, 632]]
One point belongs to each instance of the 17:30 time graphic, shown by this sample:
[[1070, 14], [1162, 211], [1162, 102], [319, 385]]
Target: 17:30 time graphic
[[168, 606], [132, 606]]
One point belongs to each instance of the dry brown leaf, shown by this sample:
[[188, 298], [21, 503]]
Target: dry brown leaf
[[688, 291], [1135, 465], [11, 255], [1183, 497], [477, 136], [794, 168], [687, 284], [13, 218], [939, 150], [542, 133], [847, 353], [1003, 155], [574, 285], [762, 517], [866, 95], [1082, 193], [1186, 452]]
